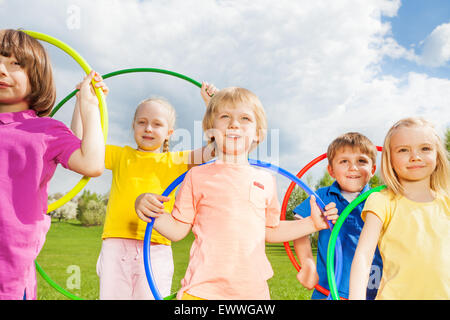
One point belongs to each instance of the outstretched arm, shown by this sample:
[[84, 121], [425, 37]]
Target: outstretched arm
[[367, 244], [291, 230]]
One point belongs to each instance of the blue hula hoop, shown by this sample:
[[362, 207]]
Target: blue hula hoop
[[258, 163]]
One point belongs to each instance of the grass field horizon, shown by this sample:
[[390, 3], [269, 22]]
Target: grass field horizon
[[70, 245]]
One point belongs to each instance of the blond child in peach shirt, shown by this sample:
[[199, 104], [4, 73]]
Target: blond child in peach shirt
[[231, 207]]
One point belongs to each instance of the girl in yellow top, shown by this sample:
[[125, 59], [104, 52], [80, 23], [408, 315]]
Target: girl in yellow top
[[149, 167], [410, 220]]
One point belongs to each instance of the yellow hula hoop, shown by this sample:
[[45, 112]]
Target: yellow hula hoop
[[102, 105]]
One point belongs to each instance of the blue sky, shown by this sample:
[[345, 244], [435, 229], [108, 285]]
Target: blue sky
[[414, 21], [321, 68]]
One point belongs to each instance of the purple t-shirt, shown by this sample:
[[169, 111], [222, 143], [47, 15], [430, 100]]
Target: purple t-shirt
[[30, 149]]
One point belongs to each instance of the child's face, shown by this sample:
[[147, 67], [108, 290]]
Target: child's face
[[14, 84], [352, 169], [151, 126], [413, 153], [234, 130]]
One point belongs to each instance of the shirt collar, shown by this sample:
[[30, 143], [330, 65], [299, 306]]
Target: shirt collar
[[334, 188], [10, 117]]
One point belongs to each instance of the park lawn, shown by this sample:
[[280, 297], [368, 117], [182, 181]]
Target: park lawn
[[70, 244]]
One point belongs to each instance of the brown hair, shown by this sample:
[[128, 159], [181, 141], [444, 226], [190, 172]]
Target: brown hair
[[355, 140], [439, 180], [31, 56], [234, 96]]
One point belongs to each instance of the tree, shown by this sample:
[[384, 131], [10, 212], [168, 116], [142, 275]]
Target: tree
[[91, 208], [375, 181]]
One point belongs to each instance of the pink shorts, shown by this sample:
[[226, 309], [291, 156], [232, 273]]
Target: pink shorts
[[120, 268]]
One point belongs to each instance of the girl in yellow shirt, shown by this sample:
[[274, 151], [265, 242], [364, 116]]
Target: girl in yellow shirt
[[410, 220], [149, 167]]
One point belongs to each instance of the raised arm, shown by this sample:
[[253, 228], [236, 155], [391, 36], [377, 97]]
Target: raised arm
[[205, 153], [89, 159], [367, 244]]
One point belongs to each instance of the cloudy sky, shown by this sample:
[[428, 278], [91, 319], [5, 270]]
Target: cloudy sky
[[321, 68]]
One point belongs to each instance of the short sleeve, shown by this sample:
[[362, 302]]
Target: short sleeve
[[378, 203], [61, 142], [273, 209], [303, 209], [112, 154], [184, 209]]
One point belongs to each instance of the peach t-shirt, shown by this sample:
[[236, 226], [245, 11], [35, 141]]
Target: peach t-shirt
[[229, 207]]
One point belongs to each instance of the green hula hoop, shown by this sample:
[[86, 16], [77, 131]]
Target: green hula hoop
[[124, 71], [334, 235], [102, 105], [59, 105]]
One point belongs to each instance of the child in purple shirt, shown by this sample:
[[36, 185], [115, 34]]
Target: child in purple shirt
[[31, 146]]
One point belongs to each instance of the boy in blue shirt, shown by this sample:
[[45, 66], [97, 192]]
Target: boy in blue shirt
[[352, 162]]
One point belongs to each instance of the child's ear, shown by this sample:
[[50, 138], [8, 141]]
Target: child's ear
[[330, 171], [374, 168], [169, 133]]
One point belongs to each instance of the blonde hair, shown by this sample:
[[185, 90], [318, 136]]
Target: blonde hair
[[170, 111], [234, 97], [31, 56], [354, 140], [440, 178]]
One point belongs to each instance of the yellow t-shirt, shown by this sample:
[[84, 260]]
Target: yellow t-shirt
[[133, 173], [415, 246]]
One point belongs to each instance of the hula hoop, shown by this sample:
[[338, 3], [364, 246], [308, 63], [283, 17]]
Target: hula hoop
[[102, 105], [334, 236], [176, 182], [283, 215], [104, 122], [66, 99]]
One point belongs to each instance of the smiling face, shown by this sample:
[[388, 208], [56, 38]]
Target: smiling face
[[234, 130], [14, 85], [413, 153], [351, 168], [151, 126]]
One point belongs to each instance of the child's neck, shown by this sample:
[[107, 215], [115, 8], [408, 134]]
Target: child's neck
[[17, 107], [233, 158], [419, 191]]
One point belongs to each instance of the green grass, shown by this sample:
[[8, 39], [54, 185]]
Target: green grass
[[69, 243]]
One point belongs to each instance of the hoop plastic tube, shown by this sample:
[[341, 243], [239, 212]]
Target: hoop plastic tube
[[334, 237]]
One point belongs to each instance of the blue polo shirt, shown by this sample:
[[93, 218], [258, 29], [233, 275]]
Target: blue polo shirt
[[349, 236]]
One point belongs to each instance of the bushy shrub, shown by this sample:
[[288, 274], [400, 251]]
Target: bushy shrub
[[66, 212], [91, 209]]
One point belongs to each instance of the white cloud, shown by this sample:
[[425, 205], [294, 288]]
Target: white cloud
[[436, 47]]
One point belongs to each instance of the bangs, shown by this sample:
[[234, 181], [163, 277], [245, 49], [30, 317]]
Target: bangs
[[15, 44]]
